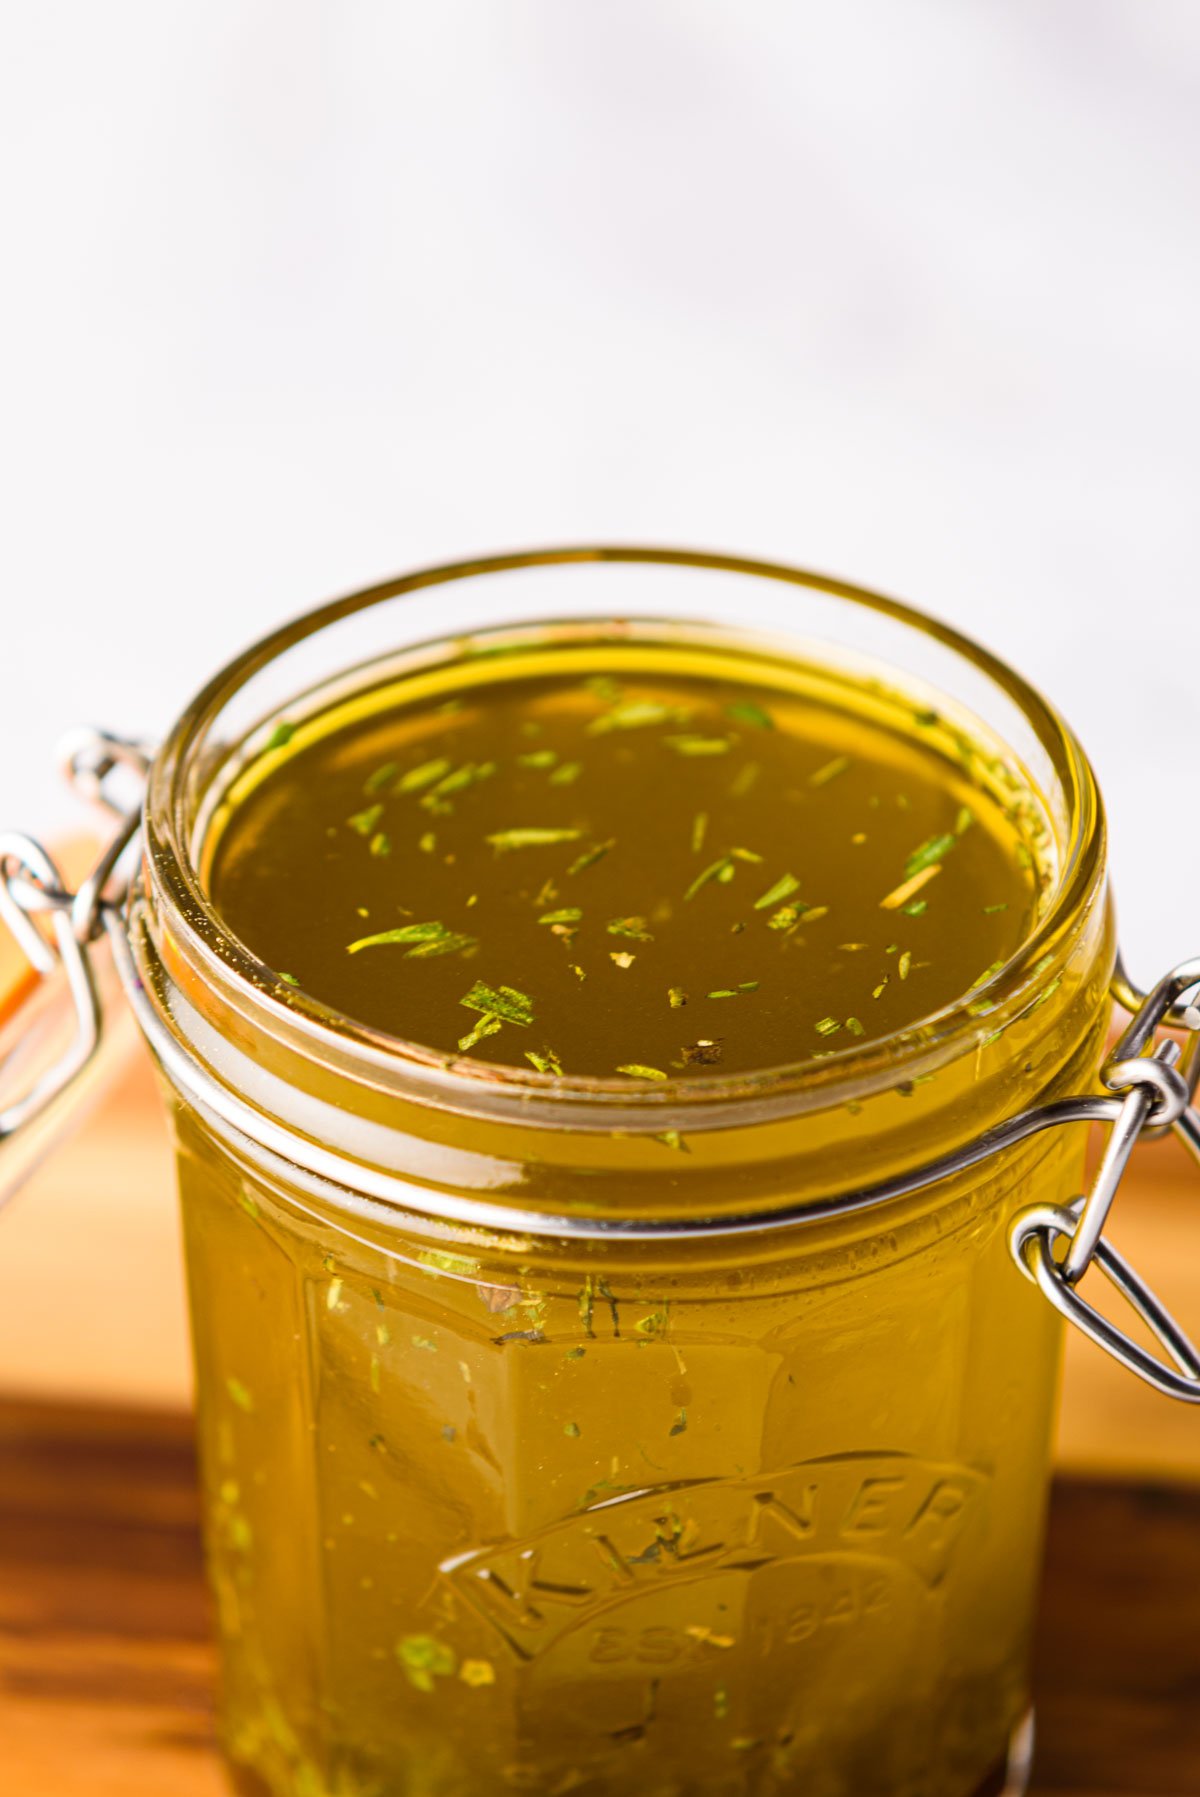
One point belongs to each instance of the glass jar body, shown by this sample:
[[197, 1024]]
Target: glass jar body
[[499, 1513], [503, 1492]]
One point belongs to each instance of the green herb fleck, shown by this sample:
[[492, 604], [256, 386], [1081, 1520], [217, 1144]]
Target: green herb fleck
[[570, 914], [699, 831], [365, 821], [677, 997], [636, 1071], [418, 778], [632, 927], [590, 856], [828, 1026], [573, 1430], [488, 1025], [782, 889], [632, 714], [531, 838], [504, 1002], [722, 871], [546, 1062], [567, 774], [424, 1659], [830, 771], [930, 853], [679, 1426], [423, 940], [281, 736], [745, 711], [383, 776], [239, 1394], [697, 746]]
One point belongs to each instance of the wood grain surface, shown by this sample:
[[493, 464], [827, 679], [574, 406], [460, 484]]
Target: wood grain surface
[[106, 1667]]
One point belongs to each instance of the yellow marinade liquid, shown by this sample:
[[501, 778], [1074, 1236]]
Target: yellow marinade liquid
[[725, 1517], [654, 873]]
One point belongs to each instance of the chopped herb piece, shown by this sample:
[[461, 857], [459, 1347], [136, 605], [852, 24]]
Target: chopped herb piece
[[289, 979], [908, 889], [699, 831], [636, 1071], [569, 914], [745, 711], [991, 910], [987, 974], [633, 714], [904, 964], [632, 927], [424, 1659], [418, 778], [538, 758], [855, 1027], [917, 908], [422, 940], [477, 1672], [428, 843], [567, 773], [590, 856], [828, 1026], [677, 997], [546, 1062], [531, 838], [721, 871], [504, 1002], [383, 776], [786, 918], [671, 1138], [699, 745], [830, 771], [680, 1424], [488, 1025], [281, 736], [572, 1429], [782, 889], [879, 990], [964, 820], [365, 821], [928, 855], [240, 1394]]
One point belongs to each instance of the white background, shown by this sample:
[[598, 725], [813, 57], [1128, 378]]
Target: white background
[[298, 294]]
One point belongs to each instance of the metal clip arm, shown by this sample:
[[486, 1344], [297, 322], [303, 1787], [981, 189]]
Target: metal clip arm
[[32, 887], [1156, 1090]]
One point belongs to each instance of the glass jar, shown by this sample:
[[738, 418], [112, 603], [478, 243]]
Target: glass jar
[[540, 1455]]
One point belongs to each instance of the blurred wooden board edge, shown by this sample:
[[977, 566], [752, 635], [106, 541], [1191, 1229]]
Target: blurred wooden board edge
[[107, 1665], [92, 1292]]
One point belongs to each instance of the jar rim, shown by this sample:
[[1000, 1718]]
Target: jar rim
[[816, 1079]]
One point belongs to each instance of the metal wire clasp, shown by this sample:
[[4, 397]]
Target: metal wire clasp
[[32, 886], [1156, 1081]]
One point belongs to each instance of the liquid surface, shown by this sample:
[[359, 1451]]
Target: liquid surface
[[625, 867]]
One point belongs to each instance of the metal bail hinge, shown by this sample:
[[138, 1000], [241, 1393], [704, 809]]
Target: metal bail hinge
[[31, 886], [1156, 1091]]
